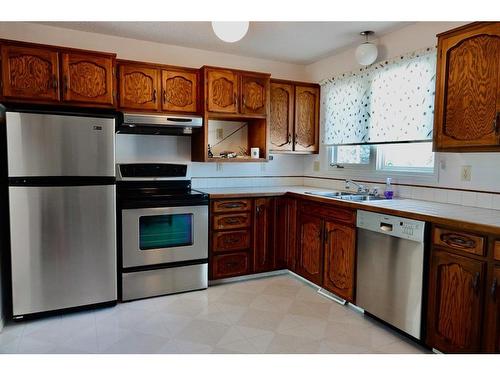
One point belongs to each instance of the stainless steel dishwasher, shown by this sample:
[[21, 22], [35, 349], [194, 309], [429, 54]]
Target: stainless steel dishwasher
[[390, 266]]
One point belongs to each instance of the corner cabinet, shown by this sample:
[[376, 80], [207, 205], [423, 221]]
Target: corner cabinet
[[294, 122], [263, 234], [467, 106]]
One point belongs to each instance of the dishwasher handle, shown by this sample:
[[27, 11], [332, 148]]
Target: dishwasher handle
[[385, 227]]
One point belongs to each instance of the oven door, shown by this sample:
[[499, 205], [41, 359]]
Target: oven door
[[152, 236]]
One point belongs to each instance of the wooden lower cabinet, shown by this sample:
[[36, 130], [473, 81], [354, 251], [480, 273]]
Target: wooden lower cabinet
[[492, 339], [285, 244], [230, 265], [263, 235], [310, 247], [455, 303], [340, 258]]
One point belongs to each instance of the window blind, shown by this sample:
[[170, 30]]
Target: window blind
[[387, 102]]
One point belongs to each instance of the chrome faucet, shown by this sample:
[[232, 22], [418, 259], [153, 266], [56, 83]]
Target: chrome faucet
[[362, 189]]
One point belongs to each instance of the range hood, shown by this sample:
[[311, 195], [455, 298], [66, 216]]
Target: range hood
[[134, 123]]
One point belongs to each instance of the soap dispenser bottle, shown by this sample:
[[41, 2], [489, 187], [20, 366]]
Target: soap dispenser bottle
[[389, 193]]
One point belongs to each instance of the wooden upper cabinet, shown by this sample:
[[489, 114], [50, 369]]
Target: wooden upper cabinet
[[306, 118], [221, 91], [310, 247], [455, 303], [179, 90], [88, 78], [340, 251], [30, 73], [263, 225], [467, 105], [254, 93], [139, 87], [281, 121]]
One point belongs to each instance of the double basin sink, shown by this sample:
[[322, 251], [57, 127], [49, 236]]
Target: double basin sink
[[345, 196]]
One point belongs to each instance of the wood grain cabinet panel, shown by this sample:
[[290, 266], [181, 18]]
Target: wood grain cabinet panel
[[306, 118], [340, 251], [468, 89], [492, 329], [263, 231], [281, 121], [222, 91], [30, 73], [496, 250], [310, 247], [457, 240], [139, 87], [230, 265], [179, 90], [254, 94], [232, 221], [231, 240], [455, 303], [88, 78], [285, 233]]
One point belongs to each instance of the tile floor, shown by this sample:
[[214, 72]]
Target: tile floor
[[279, 314]]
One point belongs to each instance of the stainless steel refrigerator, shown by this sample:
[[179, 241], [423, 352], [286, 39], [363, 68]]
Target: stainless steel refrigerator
[[61, 188]]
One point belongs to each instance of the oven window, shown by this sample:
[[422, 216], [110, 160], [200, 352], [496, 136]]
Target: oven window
[[160, 231]]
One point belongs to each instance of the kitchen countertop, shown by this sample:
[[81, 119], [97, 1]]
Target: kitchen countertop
[[472, 218]]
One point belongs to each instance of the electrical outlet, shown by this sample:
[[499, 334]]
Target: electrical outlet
[[316, 166], [219, 134], [466, 173]]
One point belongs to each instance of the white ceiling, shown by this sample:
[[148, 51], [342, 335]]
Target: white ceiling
[[293, 42]]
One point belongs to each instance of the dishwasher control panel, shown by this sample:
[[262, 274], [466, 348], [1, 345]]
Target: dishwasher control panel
[[391, 225]]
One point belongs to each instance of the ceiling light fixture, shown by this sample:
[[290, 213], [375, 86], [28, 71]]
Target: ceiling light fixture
[[367, 52], [230, 32]]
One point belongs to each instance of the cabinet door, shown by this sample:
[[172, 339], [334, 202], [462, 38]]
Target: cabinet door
[[222, 91], [179, 90], [310, 248], [138, 87], [254, 94], [492, 329], [30, 73], [468, 89], [455, 303], [284, 233], [88, 78], [281, 116], [230, 265], [340, 254], [306, 118], [263, 225]]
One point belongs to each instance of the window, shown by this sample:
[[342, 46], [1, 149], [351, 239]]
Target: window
[[396, 157]]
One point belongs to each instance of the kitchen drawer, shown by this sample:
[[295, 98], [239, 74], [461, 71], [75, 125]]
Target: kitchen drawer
[[452, 239], [233, 240], [229, 265], [231, 221], [230, 205], [328, 211], [496, 250]]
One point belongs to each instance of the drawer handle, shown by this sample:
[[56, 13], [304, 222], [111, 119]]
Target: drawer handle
[[231, 240], [494, 289], [232, 220], [231, 264], [475, 282], [232, 205], [456, 240]]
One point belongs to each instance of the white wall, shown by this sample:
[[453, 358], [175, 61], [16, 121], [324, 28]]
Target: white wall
[[485, 166], [133, 49]]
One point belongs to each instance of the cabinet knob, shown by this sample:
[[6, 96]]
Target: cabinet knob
[[164, 96], [475, 282], [495, 123], [154, 95], [494, 289]]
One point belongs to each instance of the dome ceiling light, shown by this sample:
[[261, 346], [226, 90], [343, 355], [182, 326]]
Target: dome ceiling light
[[230, 32], [366, 53]]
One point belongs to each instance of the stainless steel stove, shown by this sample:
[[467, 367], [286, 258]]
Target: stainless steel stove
[[163, 236]]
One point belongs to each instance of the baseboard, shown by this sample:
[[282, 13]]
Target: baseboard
[[246, 277]]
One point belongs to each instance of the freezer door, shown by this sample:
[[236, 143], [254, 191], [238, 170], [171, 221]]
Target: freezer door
[[60, 145], [63, 247]]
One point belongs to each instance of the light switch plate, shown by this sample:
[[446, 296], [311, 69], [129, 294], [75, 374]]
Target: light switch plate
[[466, 173]]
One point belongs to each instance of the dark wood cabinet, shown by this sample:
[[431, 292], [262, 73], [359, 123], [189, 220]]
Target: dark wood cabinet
[[306, 118], [88, 78], [179, 90], [138, 87], [222, 91], [467, 106], [492, 330], [30, 73], [231, 240], [263, 234], [254, 89], [285, 233], [230, 265], [340, 258], [455, 303], [294, 122], [310, 247]]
